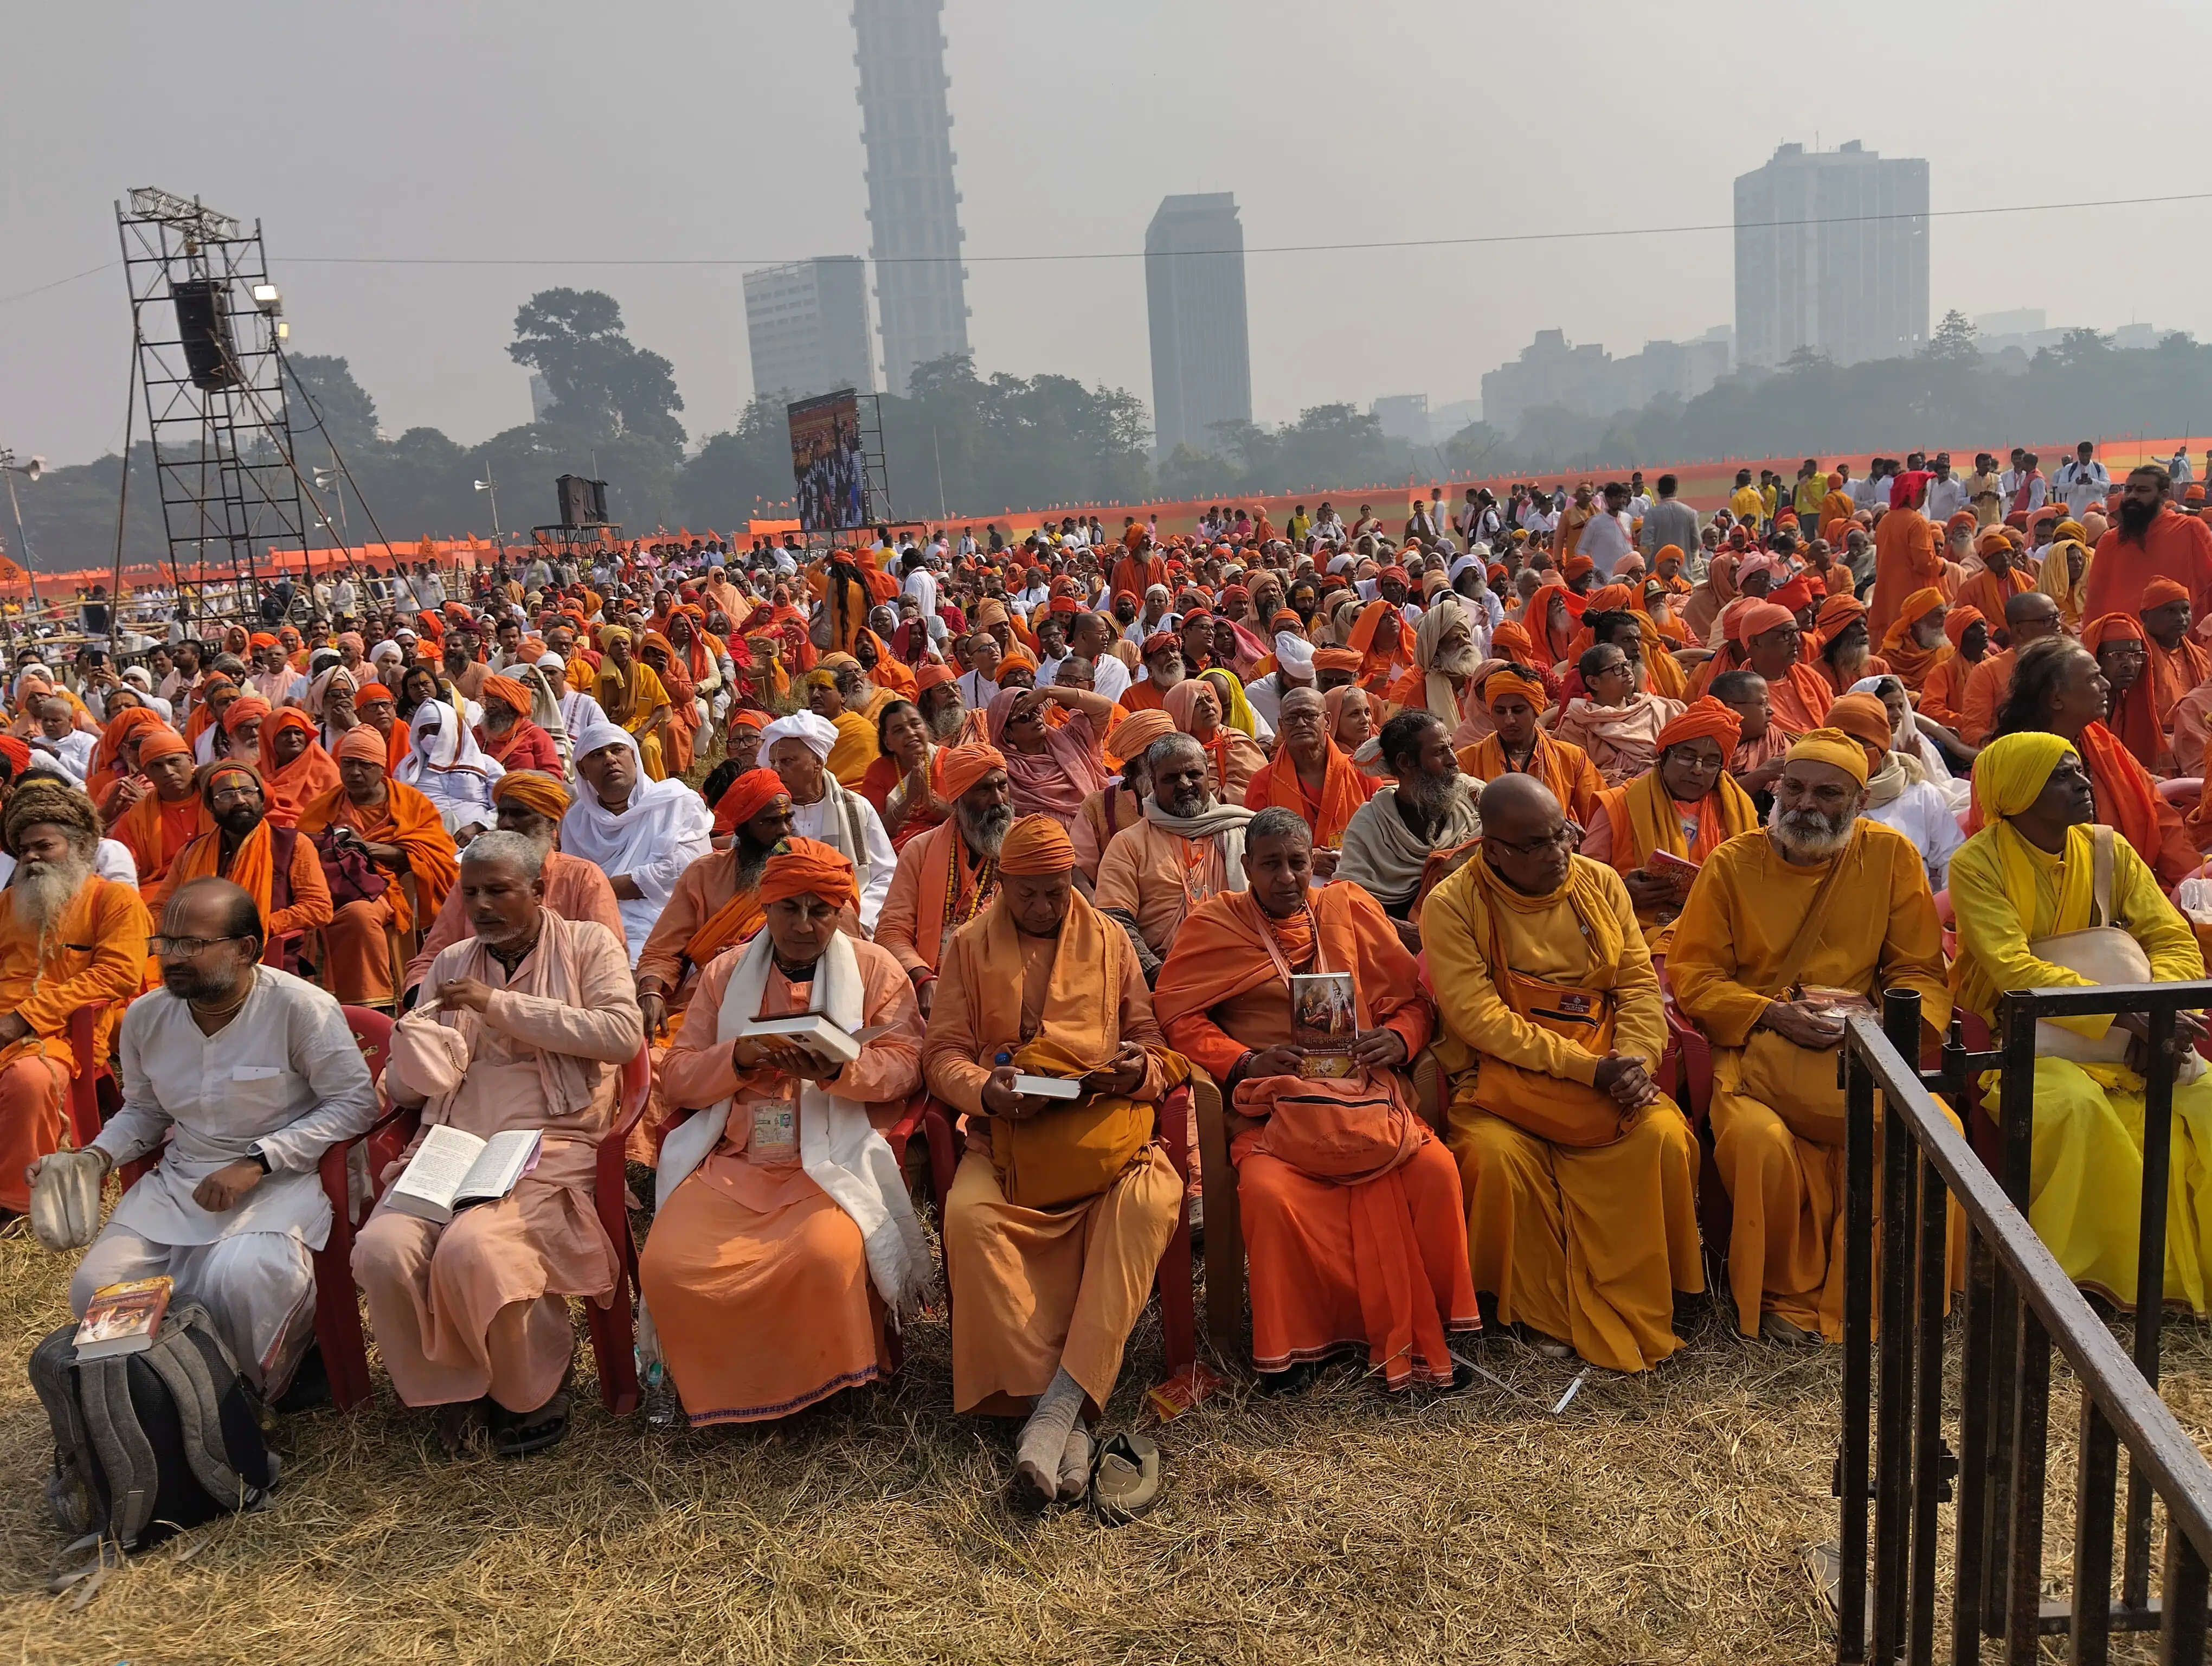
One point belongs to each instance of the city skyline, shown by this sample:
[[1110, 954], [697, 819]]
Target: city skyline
[[770, 169]]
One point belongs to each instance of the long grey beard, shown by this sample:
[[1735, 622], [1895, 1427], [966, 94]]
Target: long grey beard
[[1809, 835], [1460, 662], [948, 723], [42, 890], [985, 830], [1429, 796]]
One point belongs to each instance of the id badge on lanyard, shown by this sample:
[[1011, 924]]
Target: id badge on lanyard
[[775, 1131]]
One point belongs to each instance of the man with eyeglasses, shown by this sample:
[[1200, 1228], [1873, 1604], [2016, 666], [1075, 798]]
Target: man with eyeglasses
[[278, 868], [249, 1076], [1579, 1174]]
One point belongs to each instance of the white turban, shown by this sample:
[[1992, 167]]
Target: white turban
[[819, 733], [383, 648], [1295, 655], [602, 730], [550, 661]]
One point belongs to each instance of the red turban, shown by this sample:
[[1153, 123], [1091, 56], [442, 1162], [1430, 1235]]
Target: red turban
[[1036, 845], [801, 867], [961, 767], [2159, 592], [1797, 595], [1158, 640], [748, 795], [1757, 619], [1707, 719]]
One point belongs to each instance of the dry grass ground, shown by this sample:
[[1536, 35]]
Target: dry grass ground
[[1658, 1519]]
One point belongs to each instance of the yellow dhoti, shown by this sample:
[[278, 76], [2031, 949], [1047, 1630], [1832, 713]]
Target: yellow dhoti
[[1586, 1244]]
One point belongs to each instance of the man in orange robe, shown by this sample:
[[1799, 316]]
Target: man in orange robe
[[1908, 555], [1768, 637], [399, 833], [2029, 617], [1335, 1259], [67, 938], [949, 875], [163, 822], [1915, 644], [277, 866], [2000, 580], [2178, 664], [1519, 745], [1311, 776], [2152, 540]]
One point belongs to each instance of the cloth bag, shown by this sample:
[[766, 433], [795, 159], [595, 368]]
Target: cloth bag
[[1069, 1152], [2103, 953], [1335, 1128], [1799, 1084]]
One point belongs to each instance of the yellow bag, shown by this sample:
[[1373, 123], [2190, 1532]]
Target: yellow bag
[[1550, 1107], [1073, 1151]]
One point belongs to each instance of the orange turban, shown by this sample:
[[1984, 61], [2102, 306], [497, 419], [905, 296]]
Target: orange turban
[[1499, 684], [1035, 845], [1129, 738], [245, 707], [263, 639], [1757, 619], [163, 742], [1866, 719], [1575, 566], [1960, 620], [1837, 611], [2112, 627], [370, 692], [1612, 597], [360, 741], [1017, 657], [1846, 752], [1703, 719], [508, 692], [932, 675], [751, 719], [1993, 539], [533, 789], [961, 767], [2159, 592], [801, 868], [1338, 658], [1510, 640], [748, 795]]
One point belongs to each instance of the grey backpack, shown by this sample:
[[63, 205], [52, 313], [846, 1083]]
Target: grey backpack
[[147, 1445]]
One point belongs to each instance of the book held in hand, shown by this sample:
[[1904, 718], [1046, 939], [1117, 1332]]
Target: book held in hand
[[122, 1318], [1324, 1022], [451, 1170], [1048, 1087], [811, 1031]]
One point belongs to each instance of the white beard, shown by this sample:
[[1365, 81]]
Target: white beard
[[41, 891]]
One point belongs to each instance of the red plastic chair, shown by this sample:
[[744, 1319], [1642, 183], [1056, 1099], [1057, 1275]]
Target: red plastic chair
[[1172, 1280], [94, 1094]]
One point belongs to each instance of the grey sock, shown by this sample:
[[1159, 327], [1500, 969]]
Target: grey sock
[[1044, 1438]]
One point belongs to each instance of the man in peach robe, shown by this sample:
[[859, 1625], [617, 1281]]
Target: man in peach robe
[[1044, 1298], [949, 875], [1380, 1260], [527, 1024]]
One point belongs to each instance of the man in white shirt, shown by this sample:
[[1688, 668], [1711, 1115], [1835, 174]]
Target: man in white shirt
[[2178, 471], [249, 1075], [920, 583], [1605, 536], [1093, 636], [1946, 493], [2083, 483]]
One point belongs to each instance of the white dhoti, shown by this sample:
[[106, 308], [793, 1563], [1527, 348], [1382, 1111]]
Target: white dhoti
[[258, 1287]]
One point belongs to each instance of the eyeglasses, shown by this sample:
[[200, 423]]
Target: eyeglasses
[[1564, 837], [187, 947]]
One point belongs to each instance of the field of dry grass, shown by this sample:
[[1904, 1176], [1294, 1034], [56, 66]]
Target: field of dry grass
[[1658, 1519]]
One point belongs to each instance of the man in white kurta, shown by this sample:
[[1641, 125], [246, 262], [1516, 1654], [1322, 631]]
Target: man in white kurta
[[271, 1087]]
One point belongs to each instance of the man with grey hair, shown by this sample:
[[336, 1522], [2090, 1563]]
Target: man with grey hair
[[1186, 849], [1091, 637], [240, 1076], [1427, 811]]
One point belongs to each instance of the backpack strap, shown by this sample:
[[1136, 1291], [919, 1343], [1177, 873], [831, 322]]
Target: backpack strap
[[119, 1445], [177, 1360]]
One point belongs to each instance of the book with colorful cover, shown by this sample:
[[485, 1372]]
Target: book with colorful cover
[[122, 1318], [1324, 1022]]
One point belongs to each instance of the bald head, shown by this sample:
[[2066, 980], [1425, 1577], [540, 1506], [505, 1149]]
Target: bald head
[[1516, 806], [2030, 615]]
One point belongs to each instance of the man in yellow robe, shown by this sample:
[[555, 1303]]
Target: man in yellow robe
[[856, 748], [631, 694], [1056, 1220], [2028, 875], [1580, 1175], [1783, 924]]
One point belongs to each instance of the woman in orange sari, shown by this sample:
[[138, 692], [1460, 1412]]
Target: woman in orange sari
[[398, 832]]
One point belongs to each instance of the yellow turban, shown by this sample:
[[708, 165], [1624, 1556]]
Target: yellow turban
[[2010, 773], [1834, 747]]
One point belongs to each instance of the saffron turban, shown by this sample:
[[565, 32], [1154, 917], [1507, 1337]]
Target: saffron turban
[[1499, 684], [1611, 598], [1394, 571], [749, 719], [802, 867], [1665, 551], [1835, 747], [1577, 565], [2010, 774], [1064, 604], [369, 691], [1866, 719], [931, 676], [2112, 627], [18, 754], [749, 794], [1036, 845], [1338, 658], [1960, 620], [263, 639], [2072, 529], [2159, 592], [1158, 641], [1797, 595], [1129, 738], [533, 789], [161, 742], [819, 733], [509, 693], [1837, 611], [360, 741], [1757, 619], [1510, 640], [1961, 522], [1993, 539], [243, 709], [1703, 719], [961, 767], [1920, 604]]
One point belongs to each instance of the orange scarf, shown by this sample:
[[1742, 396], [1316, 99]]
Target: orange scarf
[[156, 832], [1344, 788], [2124, 788], [407, 819], [942, 903], [252, 865], [733, 923]]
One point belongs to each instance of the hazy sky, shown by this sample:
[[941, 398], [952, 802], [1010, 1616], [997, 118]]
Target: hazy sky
[[672, 128]]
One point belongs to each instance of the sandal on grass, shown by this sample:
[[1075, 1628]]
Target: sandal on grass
[[1125, 1482], [518, 1434]]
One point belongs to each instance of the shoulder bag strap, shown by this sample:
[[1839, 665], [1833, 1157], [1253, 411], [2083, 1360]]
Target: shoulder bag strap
[[1809, 930], [2101, 889]]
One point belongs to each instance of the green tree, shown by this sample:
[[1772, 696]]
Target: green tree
[[740, 473], [602, 386], [1953, 340]]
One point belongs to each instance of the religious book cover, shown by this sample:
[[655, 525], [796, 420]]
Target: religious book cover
[[122, 1318], [1323, 1022]]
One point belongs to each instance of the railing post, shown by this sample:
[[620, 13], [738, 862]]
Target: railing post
[[2150, 1283], [1858, 1353], [2016, 1127], [2024, 1572], [2095, 1489], [1894, 1320], [2181, 1630], [1927, 1435]]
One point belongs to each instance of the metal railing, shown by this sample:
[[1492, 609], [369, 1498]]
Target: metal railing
[[2020, 1303]]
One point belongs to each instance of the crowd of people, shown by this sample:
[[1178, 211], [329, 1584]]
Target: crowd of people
[[1053, 830]]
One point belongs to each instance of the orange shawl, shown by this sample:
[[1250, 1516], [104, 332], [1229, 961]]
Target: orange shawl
[[1553, 762], [307, 777], [940, 902], [252, 868], [1377, 666], [1344, 788], [407, 819], [155, 832], [107, 770], [734, 922]]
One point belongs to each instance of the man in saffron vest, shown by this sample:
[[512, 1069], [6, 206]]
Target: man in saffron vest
[[1579, 1174], [1060, 1209], [1784, 923], [1379, 1254]]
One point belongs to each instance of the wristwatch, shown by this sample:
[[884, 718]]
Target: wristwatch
[[262, 1159]]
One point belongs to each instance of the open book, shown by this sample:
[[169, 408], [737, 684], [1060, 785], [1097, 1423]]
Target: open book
[[451, 1170], [814, 1032], [122, 1318]]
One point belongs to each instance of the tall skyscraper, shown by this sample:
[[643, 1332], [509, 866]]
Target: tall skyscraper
[[913, 212], [807, 326], [1830, 254], [1194, 293]]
